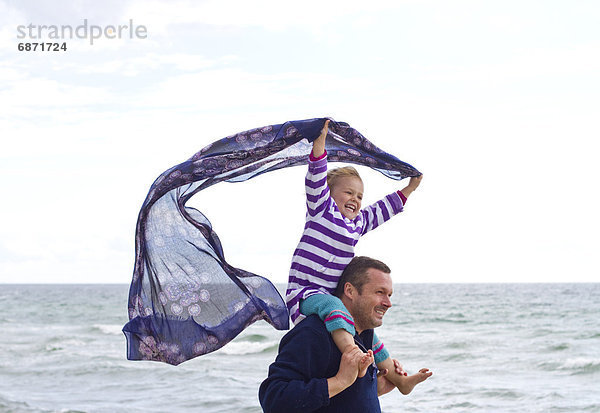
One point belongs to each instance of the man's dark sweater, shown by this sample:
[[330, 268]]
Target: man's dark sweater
[[297, 379]]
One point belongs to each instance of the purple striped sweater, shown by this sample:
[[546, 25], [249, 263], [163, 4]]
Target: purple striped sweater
[[327, 244]]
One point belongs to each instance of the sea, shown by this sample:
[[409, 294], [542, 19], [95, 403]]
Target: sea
[[491, 347]]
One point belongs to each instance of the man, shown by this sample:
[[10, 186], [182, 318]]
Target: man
[[311, 375]]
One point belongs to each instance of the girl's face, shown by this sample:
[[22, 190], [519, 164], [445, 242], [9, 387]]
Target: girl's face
[[347, 192]]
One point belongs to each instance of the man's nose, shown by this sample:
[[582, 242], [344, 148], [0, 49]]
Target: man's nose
[[387, 302]]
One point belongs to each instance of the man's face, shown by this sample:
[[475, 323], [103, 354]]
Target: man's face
[[369, 307]]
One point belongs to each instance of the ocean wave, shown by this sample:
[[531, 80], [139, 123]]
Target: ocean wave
[[458, 345], [109, 329], [449, 320], [18, 407], [53, 355], [541, 332], [502, 394], [578, 365], [463, 405], [559, 347], [458, 357], [581, 365], [253, 338], [62, 343], [246, 347]]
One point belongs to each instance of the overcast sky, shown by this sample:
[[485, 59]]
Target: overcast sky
[[497, 103]]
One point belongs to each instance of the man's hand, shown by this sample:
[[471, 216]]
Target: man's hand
[[399, 369], [384, 385], [347, 373]]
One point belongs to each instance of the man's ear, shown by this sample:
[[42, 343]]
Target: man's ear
[[349, 290]]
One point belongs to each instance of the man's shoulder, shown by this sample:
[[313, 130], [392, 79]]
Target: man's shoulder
[[310, 326], [311, 322]]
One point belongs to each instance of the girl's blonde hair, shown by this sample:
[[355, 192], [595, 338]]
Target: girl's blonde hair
[[336, 173]]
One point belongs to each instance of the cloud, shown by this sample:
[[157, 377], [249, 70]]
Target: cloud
[[146, 63], [66, 12], [9, 19], [500, 120], [269, 14], [14, 253]]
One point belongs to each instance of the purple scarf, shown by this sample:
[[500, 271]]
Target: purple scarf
[[185, 300]]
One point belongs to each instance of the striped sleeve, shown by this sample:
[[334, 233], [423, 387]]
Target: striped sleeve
[[317, 191], [381, 211]]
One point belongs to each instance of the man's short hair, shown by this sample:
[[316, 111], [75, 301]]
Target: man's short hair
[[355, 273]]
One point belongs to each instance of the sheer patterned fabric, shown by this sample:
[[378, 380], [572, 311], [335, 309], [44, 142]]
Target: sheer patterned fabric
[[185, 300]]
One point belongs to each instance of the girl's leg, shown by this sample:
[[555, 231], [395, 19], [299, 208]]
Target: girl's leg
[[331, 310], [383, 360], [379, 350], [338, 322]]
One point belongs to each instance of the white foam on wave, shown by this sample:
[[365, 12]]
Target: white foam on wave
[[9, 405], [111, 329], [245, 347], [581, 363], [576, 365], [65, 344]]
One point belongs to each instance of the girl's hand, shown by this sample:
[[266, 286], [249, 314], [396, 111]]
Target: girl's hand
[[415, 181], [318, 148]]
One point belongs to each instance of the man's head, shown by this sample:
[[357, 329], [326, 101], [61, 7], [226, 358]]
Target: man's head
[[346, 188], [365, 288]]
